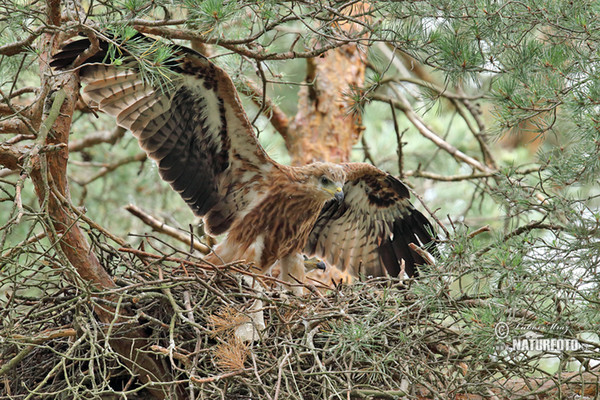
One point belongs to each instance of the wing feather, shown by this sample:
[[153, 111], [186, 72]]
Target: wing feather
[[196, 129], [379, 223]]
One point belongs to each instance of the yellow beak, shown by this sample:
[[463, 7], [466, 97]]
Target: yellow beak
[[338, 193], [313, 263]]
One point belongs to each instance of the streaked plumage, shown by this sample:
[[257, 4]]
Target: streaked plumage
[[204, 145]]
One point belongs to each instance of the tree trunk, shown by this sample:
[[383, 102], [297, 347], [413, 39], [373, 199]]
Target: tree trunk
[[49, 176], [324, 129]]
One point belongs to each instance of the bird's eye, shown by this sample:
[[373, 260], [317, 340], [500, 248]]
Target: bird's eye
[[325, 180]]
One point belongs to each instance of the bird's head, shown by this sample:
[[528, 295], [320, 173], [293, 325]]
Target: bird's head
[[330, 180]]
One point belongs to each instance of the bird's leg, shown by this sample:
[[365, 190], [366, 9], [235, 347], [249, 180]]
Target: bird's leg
[[254, 322], [249, 330], [292, 272]]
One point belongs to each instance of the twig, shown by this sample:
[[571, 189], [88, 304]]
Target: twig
[[216, 378], [485, 149], [170, 353], [522, 229], [279, 374], [256, 374], [87, 219], [448, 178], [399, 140], [90, 51], [403, 105], [94, 138], [435, 218], [426, 256], [19, 138], [278, 118], [263, 102], [367, 152], [442, 91], [9, 253], [379, 394], [162, 227], [476, 232], [47, 335], [111, 167], [18, 199]]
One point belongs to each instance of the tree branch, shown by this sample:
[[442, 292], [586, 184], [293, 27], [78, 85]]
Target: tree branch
[[11, 157], [520, 230], [94, 138], [50, 170], [13, 125], [278, 119], [403, 105], [21, 46], [159, 226], [140, 157]]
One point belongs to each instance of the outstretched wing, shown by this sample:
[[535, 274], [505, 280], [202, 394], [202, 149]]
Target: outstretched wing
[[194, 128], [370, 230]]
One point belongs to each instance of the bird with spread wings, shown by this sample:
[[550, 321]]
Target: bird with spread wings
[[352, 215]]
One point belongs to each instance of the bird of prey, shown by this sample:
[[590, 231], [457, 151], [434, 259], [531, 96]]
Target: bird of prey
[[352, 215]]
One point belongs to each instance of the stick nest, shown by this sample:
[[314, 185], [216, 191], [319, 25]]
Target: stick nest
[[373, 339]]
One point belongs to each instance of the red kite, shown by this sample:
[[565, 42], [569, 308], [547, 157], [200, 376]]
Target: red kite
[[352, 215]]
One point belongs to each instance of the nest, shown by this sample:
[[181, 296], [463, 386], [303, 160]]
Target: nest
[[373, 339]]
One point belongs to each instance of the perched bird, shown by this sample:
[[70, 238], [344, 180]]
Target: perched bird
[[352, 215]]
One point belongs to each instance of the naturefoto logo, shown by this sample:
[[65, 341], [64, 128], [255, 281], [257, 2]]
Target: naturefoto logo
[[532, 341]]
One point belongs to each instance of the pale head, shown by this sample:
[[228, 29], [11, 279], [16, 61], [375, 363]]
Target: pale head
[[328, 178]]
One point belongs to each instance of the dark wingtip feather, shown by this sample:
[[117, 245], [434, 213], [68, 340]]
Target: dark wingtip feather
[[411, 228], [69, 53], [423, 230]]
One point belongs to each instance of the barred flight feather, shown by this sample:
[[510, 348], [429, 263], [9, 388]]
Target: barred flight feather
[[388, 223], [199, 135]]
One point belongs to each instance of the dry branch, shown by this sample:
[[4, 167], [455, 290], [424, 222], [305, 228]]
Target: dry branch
[[95, 138], [162, 227], [278, 119], [403, 105]]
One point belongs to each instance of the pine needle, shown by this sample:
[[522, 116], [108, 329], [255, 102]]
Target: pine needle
[[230, 355]]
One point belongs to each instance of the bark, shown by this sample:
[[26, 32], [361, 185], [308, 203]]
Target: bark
[[324, 129], [49, 170]]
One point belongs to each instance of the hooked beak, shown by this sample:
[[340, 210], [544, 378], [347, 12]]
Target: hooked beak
[[339, 194], [314, 263]]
